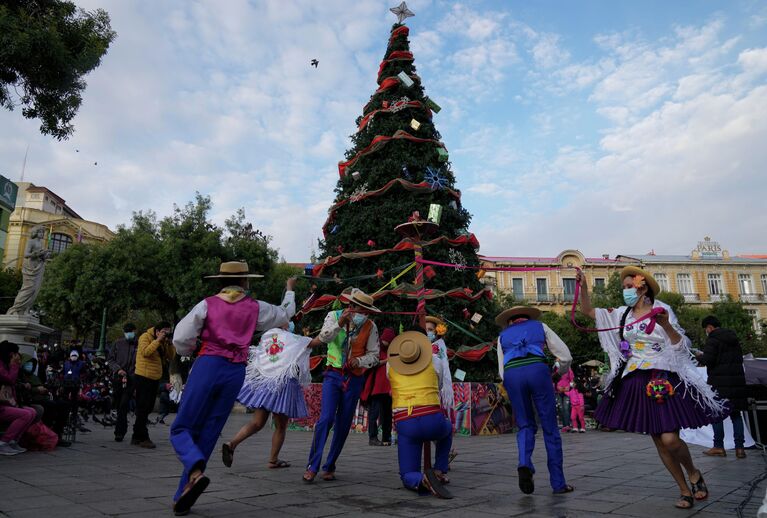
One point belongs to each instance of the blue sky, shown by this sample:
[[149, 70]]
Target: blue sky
[[610, 127]]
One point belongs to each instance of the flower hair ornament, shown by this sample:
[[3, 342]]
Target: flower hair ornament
[[441, 329], [639, 281]]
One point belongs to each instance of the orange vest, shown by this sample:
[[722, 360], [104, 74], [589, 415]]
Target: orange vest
[[359, 347]]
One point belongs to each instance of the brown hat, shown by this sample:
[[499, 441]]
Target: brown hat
[[632, 271], [502, 320], [410, 353], [234, 269], [359, 297]]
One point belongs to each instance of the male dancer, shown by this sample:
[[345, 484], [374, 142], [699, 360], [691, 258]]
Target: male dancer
[[352, 340], [225, 324]]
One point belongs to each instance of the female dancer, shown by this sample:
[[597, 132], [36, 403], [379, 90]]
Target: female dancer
[[652, 387]]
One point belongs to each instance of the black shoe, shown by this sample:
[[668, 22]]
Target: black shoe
[[374, 442], [526, 484], [119, 438]]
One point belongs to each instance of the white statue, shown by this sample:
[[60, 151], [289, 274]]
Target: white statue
[[32, 271]]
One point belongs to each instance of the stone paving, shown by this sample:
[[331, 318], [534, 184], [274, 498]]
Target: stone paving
[[615, 474]]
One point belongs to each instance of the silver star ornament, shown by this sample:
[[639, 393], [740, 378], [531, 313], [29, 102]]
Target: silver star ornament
[[402, 12]]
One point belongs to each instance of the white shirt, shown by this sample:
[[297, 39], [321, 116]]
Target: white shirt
[[555, 344], [188, 330]]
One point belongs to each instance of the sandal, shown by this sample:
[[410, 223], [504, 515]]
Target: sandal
[[699, 487], [227, 454], [329, 476], [453, 455], [566, 489], [526, 484], [434, 484], [277, 464], [442, 477], [309, 476], [684, 502], [192, 491]]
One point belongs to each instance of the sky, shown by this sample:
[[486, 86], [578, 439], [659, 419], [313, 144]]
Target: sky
[[603, 126]]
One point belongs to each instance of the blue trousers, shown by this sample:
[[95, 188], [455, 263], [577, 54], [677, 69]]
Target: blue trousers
[[529, 386], [411, 435], [738, 431], [338, 406], [206, 403]]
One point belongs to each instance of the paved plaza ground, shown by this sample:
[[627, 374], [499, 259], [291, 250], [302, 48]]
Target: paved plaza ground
[[615, 474]]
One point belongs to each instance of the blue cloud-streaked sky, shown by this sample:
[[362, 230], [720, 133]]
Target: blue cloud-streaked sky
[[610, 127]]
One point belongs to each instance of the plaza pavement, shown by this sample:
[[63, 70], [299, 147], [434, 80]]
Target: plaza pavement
[[615, 474]]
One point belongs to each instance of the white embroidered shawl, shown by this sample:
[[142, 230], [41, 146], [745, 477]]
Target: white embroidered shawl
[[278, 357]]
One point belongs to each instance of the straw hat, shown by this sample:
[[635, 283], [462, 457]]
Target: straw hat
[[359, 297], [502, 320], [631, 271], [435, 320], [234, 269], [410, 353]]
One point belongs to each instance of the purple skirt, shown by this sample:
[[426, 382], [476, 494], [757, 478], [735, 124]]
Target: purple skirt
[[632, 410], [289, 401]]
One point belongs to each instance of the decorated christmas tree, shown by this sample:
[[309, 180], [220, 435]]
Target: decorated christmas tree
[[397, 171]]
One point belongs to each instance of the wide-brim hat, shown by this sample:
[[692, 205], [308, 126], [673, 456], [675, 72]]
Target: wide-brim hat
[[435, 320], [502, 320], [359, 297], [234, 270], [410, 353], [631, 271]]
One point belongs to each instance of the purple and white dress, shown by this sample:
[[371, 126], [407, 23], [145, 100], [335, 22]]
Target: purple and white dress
[[277, 372], [654, 368]]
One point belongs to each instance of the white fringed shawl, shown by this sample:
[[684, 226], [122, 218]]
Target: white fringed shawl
[[677, 356], [278, 357], [442, 367]]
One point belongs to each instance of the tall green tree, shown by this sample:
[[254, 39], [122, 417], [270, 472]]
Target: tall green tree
[[46, 49], [397, 165], [10, 282]]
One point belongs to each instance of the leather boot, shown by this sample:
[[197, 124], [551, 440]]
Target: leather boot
[[715, 452]]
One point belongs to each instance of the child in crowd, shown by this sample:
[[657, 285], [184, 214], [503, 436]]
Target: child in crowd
[[577, 408]]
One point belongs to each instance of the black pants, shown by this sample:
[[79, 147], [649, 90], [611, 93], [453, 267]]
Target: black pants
[[122, 396], [146, 394], [55, 415], [380, 415]]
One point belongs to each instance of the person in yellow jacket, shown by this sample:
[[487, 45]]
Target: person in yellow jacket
[[417, 413], [154, 348]]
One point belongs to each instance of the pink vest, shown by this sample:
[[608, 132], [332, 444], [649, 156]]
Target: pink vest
[[229, 328]]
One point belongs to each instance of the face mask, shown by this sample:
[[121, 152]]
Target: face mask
[[432, 335], [130, 336], [630, 297], [359, 319], [28, 368]]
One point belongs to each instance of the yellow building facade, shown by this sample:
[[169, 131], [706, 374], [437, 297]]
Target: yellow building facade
[[39, 206], [708, 274]]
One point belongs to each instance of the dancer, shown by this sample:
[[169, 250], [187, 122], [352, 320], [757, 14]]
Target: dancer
[[652, 387], [418, 413], [352, 340], [277, 373], [526, 378], [225, 324]]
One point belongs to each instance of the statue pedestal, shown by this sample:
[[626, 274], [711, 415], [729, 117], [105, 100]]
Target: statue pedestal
[[23, 330]]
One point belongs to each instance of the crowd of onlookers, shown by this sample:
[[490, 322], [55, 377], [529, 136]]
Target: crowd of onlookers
[[46, 400]]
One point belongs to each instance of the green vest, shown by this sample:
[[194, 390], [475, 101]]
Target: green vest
[[336, 346]]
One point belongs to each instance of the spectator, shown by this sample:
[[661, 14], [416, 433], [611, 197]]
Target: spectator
[[18, 418], [32, 393], [723, 359], [122, 362], [154, 347], [73, 371], [378, 394], [563, 402]]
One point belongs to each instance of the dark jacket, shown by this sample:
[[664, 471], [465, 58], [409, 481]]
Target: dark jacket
[[123, 356], [723, 359]]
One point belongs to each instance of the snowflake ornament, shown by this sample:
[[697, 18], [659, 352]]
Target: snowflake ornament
[[457, 259], [435, 179], [399, 105], [358, 193]]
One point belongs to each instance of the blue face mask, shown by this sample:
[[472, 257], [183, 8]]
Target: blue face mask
[[130, 336], [359, 319], [28, 368], [630, 297], [432, 335]]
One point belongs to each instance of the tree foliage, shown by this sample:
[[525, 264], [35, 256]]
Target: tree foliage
[[150, 269], [10, 282], [46, 49]]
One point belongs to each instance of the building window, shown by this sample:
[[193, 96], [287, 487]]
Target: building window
[[517, 288], [764, 283], [745, 284], [599, 283], [754, 318], [569, 289], [542, 289], [715, 286], [501, 284], [59, 243], [662, 280], [684, 283]]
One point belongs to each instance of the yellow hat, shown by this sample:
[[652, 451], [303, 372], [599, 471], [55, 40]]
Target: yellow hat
[[410, 353], [234, 269]]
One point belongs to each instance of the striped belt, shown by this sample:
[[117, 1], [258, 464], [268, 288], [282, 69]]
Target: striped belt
[[521, 362], [417, 411]]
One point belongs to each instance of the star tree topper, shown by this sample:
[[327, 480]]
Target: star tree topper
[[402, 12]]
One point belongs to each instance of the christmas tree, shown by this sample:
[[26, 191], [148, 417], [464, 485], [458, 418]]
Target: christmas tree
[[399, 166]]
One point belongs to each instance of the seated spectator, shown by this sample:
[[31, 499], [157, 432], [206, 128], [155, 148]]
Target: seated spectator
[[32, 393], [18, 418]]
